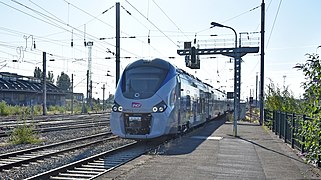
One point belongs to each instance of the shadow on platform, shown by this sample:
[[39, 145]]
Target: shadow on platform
[[181, 146]]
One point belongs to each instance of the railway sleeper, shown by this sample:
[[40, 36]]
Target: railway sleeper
[[89, 169], [95, 163], [75, 175], [94, 166], [27, 155], [83, 172], [18, 158], [64, 178]]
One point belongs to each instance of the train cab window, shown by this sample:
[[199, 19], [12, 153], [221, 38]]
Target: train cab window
[[142, 82]]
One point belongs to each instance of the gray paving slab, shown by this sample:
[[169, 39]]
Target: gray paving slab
[[211, 152]]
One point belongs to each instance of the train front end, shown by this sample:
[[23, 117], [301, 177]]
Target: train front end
[[141, 109]]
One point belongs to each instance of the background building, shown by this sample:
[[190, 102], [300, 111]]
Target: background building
[[25, 91]]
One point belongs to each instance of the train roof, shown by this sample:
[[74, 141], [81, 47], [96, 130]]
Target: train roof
[[163, 64], [159, 63]]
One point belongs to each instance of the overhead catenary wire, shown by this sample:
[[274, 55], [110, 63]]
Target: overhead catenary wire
[[169, 18], [73, 28], [277, 13], [46, 19], [242, 14], [80, 34], [94, 17], [152, 23], [55, 24], [45, 10], [148, 42], [234, 17]]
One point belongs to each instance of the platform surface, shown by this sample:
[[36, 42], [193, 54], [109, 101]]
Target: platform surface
[[212, 152]]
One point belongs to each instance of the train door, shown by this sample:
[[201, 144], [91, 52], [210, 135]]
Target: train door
[[207, 105], [178, 103]]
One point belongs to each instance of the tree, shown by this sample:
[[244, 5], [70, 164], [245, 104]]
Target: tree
[[63, 82], [312, 86], [311, 129], [50, 77], [281, 100], [39, 74]]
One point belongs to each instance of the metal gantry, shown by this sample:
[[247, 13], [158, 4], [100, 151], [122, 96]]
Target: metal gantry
[[237, 54]]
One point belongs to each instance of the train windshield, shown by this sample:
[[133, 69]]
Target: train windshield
[[142, 82]]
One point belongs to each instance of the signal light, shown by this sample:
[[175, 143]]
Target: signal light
[[193, 55]]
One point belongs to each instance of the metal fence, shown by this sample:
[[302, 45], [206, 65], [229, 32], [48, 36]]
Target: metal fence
[[287, 126]]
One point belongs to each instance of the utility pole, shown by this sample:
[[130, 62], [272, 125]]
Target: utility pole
[[72, 93], [262, 63], [87, 93], [117, 41], [44, 86], [103, 97], [90, 95], [256, 90], [89, 45]]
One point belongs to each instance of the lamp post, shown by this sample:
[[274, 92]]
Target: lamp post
[[237, 78], [214, 24]]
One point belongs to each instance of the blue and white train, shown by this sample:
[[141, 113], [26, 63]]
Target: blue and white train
[[153, 98]]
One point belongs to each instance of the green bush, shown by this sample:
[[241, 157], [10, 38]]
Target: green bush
[[311, 129], [4, 111], [37, 110], [24, 134]]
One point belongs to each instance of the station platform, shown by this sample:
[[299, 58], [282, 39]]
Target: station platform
[[212, 152]]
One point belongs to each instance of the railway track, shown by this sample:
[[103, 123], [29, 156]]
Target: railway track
[[48, 125], [96, 165], [96, 162], [19, 158]]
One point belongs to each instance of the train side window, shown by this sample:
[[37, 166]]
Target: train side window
[[188, 102]]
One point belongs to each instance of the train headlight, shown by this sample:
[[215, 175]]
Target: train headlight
[[120, 108], [160, 107], [117, 108], [154, 109]]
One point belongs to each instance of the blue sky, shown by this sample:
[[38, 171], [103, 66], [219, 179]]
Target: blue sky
[[292, 30]]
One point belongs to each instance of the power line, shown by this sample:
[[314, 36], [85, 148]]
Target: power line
[[141, 36], [95, 17], [45, 10], [242, 14], [277, 13], [51, 21], [109, 24], [48, 18], [53, 24], [169, 18], [229, 19], [152, 23]]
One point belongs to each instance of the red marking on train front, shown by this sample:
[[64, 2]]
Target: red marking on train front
[[136, 105]]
